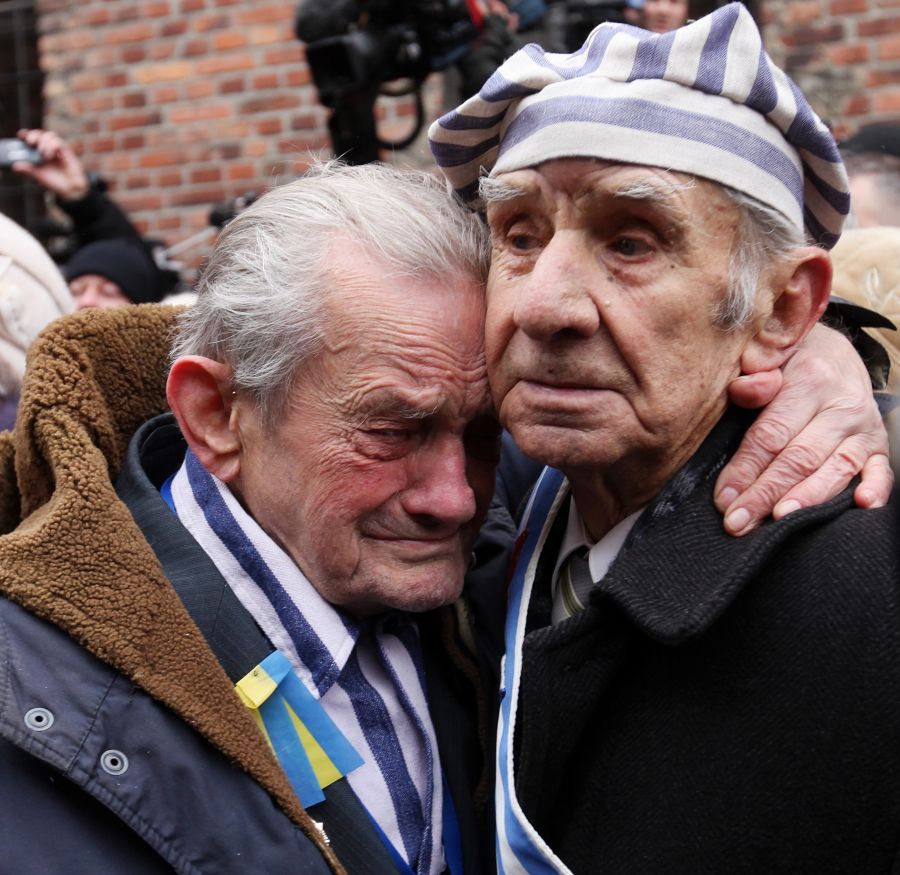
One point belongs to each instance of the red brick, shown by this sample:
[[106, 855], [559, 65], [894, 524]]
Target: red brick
[[174, 28], [197, 89], [226, 151], [170, 178], [304, 122], [192, 5], [299, 76], [168, 72], [135, 33], [289, 55], [137, 180], [879, 26], [96, 15], [232, 86], [126, 12], [848, 7], [161, 50], [133, 141], [265, 81], [857, 105], [169, 223], [206, 174], [241, 171], [161, 158], [225, 64], [887, 101], [134, 99], [255, 105], [206, 112], [133, 54], [133, 120], [117, 162], [889, 49], [260, 14], [192, 196], [804, 36], [874, 78], [800, 12], [224, 42], [104, 144], [156, 9], [131, 203], [845, 55], [167, 94], [98, 103], [203, 23], [195, 47], [269, 126], [265, 36]]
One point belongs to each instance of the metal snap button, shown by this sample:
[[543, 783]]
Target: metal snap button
[[39, 719], [114, 762]]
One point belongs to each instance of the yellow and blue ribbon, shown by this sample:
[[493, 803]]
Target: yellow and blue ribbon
[[313, 752]]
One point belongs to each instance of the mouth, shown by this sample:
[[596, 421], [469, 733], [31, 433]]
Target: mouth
[[428, 547]]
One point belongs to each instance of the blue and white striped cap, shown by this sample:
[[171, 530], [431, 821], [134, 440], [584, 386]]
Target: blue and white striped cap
[[705, 99]]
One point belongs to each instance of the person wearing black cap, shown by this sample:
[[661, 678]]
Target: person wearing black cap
[[872, 159], [113, 273]]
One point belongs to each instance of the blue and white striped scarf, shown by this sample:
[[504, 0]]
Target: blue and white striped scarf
[[369, 678]]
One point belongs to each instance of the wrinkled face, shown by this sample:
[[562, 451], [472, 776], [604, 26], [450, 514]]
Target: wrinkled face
[[601, 342], [379, 474], [92, 291], [661, 16]]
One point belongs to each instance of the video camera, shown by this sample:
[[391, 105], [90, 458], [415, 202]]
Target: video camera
[[353, 47], [352, 44]]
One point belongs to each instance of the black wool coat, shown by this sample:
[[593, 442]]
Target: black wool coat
[[722, 705]]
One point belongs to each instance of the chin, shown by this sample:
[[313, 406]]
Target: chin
[[435, 585]]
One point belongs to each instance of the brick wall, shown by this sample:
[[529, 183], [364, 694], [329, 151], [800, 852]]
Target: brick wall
[[183, 103], [844, 54]]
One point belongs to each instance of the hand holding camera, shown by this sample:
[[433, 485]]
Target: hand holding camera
[[47, 159]]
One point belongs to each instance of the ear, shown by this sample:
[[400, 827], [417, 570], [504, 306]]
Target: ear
[[200, 395], [800, 290]]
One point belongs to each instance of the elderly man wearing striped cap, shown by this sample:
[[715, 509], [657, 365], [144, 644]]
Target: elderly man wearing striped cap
[[675, 700]]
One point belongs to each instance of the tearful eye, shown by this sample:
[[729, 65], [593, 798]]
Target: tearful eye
[[390, 434], [630, 247]]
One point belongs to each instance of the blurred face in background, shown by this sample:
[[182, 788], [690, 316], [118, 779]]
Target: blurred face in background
[[92, 291], [661, 16]]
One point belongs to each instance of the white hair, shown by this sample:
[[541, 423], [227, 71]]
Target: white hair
[[259, 303]]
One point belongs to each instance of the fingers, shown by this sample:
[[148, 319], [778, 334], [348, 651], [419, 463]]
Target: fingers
[[811, 468], [48, 143], [61, 172], [755, 390], [764, 441], [877, 481]]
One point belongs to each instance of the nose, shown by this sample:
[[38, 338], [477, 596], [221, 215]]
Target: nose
[[439, 495], [559, 294], [85, 298]]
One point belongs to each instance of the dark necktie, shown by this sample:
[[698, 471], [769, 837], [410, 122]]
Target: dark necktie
[[575, 581]]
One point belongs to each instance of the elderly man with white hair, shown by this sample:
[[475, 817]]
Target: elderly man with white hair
[[674, 700]]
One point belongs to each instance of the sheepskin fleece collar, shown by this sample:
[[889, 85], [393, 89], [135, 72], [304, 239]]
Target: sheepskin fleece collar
[[70, 551]]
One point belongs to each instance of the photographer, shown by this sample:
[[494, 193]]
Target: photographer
[[353, 47]]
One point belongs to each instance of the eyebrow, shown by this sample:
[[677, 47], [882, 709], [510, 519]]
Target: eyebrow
[[497, 191], [394, 405]]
